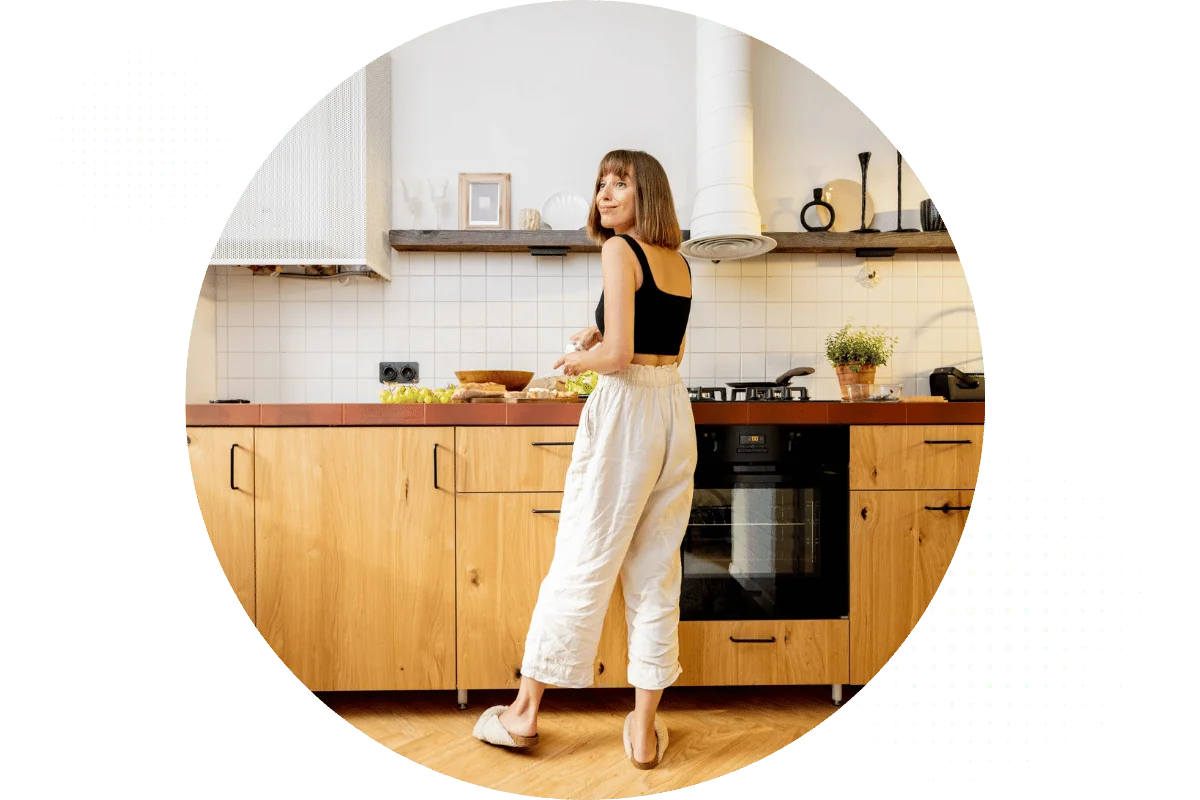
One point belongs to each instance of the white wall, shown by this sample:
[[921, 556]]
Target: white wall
[[573, 80], [807, 133], [318, 341], [201, 380], [543, 92]]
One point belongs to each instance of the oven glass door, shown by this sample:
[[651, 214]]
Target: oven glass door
[[765, 547]]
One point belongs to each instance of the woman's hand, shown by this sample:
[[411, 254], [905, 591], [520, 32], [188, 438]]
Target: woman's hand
[[588, 337], [572, 363]]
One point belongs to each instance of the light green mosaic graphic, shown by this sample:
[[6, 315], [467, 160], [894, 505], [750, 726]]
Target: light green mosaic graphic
[[1036, 624], [139, 140], [990, 680]]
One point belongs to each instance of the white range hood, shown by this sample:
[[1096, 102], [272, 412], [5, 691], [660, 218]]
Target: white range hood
[[323, 196], [725, 220]]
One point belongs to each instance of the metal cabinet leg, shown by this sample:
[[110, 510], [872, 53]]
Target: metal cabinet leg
[[837, 694], [462, 699]]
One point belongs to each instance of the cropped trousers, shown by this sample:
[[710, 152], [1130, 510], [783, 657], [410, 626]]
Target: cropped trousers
[[625, 509]]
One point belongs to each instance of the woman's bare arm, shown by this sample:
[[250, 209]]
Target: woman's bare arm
[[619, 267]]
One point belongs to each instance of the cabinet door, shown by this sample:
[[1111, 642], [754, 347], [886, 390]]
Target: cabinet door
[[223, 470], [915, 456], [505, 546], [901, 544], [356, 555]]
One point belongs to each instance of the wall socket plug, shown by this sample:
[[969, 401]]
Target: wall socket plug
[[399, 372]]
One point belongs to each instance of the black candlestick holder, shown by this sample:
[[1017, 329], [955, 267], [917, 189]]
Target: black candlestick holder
[[816, 201], [864, 159], [899, 202]]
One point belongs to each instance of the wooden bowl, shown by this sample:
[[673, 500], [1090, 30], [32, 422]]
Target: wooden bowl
[[513, 380]]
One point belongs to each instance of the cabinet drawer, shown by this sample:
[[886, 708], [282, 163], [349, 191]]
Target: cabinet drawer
[[513, 459], [803, 651], [915, 456]]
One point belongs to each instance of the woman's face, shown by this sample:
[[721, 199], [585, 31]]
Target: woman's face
[[615, 202]]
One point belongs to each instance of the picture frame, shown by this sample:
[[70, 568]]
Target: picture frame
[[483, 200]]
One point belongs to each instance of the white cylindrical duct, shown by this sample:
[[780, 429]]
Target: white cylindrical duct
[[725, 219]]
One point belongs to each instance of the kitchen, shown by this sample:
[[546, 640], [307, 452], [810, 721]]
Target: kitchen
[[307, 353]]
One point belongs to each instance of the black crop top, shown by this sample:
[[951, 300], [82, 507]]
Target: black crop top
[[659, 318]]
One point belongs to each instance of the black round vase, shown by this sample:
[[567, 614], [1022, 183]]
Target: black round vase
[[816, 201], [931, 220]]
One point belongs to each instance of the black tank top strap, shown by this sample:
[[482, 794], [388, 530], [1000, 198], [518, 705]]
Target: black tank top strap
[[647, 275]]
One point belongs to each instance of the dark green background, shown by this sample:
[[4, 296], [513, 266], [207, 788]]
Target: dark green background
[[1054, 138]]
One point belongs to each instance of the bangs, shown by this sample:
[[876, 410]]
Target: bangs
[[618, 162]]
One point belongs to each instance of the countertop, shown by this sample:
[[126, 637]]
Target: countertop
[[705, 413]]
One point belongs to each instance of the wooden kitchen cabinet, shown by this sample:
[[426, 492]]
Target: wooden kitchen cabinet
[[355, 555], [504, 551], [901, 544], [764, 652], [513, 459], [223, 471], [915, 456]]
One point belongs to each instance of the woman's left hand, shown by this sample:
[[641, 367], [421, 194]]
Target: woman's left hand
[[572, 363]]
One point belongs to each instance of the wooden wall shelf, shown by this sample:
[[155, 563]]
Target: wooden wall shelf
[[497, 241]]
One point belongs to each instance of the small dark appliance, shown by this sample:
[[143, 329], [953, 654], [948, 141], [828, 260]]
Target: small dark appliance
[[954, 384]]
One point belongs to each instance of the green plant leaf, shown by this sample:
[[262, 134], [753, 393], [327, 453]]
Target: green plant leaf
[[859, 347]]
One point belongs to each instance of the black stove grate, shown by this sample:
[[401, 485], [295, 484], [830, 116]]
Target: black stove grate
[[763, 394]]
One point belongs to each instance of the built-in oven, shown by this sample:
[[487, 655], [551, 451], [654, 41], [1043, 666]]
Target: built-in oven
[[768, 535]]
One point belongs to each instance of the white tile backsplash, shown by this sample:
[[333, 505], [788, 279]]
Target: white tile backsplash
[[321, 341]]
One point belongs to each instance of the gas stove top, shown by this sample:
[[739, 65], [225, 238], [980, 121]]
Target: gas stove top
[[754, 394]]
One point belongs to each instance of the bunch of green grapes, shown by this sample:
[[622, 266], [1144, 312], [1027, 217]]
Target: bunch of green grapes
[[583, 383], [396, 393]]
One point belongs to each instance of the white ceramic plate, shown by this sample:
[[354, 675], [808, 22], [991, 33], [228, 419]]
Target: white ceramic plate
[[846, 198], [566, 211]]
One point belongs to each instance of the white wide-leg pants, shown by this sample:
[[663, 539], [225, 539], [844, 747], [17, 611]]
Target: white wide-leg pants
[[625, 509]]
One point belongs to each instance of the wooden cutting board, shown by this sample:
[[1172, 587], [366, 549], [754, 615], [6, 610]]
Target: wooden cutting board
[[922, 399], [525, 400]]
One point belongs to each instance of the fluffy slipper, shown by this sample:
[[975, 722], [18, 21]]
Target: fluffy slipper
[[489, 729], [660, 734]]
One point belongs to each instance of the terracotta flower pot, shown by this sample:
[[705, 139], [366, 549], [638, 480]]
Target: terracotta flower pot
[[847, 375]]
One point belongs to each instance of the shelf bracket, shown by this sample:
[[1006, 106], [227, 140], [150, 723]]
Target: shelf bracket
[[547, 250], [875, 252]]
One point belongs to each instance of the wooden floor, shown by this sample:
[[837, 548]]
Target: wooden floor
[[713, 731]]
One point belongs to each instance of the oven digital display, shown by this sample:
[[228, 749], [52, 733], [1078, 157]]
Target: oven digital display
[[751, 438]]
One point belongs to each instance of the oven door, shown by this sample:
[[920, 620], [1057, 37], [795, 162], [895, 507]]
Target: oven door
[[766, 546]]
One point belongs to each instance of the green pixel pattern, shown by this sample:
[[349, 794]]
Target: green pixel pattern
[[990, 680], [141, 142], [1037, 621]]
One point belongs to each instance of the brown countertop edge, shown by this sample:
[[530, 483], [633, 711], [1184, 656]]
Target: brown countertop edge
[[354, 414]]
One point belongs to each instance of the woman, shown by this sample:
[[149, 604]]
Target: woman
[[628, 490]]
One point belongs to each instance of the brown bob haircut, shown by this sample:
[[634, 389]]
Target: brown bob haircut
[[654, 209]]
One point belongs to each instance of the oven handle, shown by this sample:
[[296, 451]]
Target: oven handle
[[742, 479]]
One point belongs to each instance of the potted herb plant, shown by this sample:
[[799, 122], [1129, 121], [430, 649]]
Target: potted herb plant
[[855, 353]]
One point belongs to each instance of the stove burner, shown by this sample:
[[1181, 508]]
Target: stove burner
[[764, 394], [706, 394]]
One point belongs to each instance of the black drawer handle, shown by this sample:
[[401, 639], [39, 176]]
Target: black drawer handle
[[753, 641], [435, 483], [948, 441], [947, 508], [546, 511], [232, 485], [552, 444]]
